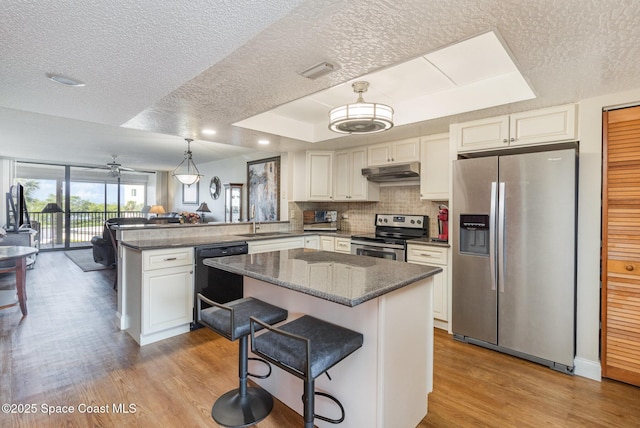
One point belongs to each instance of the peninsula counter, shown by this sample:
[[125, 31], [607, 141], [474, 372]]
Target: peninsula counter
[[383, 384]]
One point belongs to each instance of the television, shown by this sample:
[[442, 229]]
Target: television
[[17, 214]]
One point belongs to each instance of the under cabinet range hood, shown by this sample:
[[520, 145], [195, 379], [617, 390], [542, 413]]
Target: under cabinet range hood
[[400, 172]]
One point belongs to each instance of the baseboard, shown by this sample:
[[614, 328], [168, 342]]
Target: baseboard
[[587, 368]]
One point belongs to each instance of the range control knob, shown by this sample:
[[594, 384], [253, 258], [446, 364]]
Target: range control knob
[[385, 220], [419, 221], [412, 221]]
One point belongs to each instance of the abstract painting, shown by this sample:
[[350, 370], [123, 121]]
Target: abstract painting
[[263, 182]]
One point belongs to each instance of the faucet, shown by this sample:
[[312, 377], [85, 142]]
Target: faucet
[[253, 217]]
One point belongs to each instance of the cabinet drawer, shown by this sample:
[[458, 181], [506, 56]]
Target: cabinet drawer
[[624, 267], [343, 245], [426, 254], [160, 259]]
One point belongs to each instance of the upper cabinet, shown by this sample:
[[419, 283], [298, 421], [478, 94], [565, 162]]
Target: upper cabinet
[[394, 152], [434, 167], [549, 125], [349, 183], [312, 176]]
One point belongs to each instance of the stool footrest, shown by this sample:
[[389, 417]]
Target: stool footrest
[[260, 360], [335, 400]]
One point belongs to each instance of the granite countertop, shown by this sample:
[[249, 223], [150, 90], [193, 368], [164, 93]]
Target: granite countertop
[[155, 244], [322, 274]]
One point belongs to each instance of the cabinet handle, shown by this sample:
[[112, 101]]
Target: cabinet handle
[[392, 159], [512, 139], [505, 141], [170, 258], [629, 267], [425, 254]]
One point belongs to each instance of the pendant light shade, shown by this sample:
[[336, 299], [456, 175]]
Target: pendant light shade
[[361, 117], [187, 171]]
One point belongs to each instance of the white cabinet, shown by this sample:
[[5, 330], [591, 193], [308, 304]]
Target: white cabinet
[[311, 176], [350, 184], [327, 243], [435, 256], [312, 241], [342, 245], [319, 176], [543, 126], [159, 293], [394, 152], [277, 244], [336, 244], [434, 167]]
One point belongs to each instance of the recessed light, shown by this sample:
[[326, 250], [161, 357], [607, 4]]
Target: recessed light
[[208, 131], [263, 142], [64, 80]]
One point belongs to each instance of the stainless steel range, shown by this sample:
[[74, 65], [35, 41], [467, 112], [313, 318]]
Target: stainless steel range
[[392, 233]]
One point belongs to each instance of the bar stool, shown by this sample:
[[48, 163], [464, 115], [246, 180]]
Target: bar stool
[[306, 347], [243, 406]]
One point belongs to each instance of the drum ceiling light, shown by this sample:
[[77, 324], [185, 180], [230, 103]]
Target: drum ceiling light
[[361, 117], [187, 174]]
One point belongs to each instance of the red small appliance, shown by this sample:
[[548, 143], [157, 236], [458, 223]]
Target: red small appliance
[[443, 223]]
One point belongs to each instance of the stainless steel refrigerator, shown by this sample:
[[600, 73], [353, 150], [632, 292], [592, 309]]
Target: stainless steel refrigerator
[[514, 218]]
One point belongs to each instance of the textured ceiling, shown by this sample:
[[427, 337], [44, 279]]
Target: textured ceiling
[[158, 71]]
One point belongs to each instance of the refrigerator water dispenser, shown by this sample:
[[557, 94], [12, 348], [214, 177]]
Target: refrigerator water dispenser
[[474, 234]]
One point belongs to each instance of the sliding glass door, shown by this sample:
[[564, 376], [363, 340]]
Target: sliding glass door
[[86, 197]]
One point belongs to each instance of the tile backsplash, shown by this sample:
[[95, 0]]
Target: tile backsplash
[[361, 215]]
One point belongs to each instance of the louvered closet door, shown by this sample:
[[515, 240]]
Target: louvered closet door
[[621, 246]]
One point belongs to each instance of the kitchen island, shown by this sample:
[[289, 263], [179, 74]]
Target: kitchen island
[[383, 384]]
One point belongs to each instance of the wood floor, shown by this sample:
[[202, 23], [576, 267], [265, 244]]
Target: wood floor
[[68, 352]]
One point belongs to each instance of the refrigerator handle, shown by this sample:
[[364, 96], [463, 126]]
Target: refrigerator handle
[[492, 235], [501, 237]]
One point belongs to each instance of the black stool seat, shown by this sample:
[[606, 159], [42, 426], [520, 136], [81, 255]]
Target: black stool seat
[[243, 406], [235, 324], [306, 347]]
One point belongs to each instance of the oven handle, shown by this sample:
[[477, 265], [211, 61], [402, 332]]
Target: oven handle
[[377, 246]]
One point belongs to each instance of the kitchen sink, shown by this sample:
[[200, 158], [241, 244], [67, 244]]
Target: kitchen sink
[[263, 234]]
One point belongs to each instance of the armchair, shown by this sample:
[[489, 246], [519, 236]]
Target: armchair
[[105, 247]]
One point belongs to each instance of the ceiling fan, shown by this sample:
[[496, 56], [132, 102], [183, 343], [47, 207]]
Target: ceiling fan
[[116, 167]]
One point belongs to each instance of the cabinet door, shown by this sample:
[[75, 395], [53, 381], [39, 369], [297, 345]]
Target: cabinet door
[[434, 167], [405, 150], [547, 125], [360, 189], [320, 176], [379, 154], [312, 242], [483, 134], [342, 168], [327, 243], [167, 299], [440, 295]]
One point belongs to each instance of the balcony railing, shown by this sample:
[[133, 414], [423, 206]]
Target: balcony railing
[[84, 226]]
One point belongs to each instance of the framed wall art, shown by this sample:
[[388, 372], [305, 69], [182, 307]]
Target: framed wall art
[[263, 185], [190, 194]]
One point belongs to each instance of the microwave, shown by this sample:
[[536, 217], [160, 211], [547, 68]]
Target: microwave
[[320, 220]]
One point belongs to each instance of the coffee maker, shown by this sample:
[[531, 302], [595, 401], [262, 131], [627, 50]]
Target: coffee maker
[[443, 223]]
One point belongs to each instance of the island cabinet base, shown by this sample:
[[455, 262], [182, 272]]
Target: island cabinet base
[[383, 384]]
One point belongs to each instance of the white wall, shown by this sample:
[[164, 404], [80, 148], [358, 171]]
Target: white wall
[[232, 170], [589, 225]]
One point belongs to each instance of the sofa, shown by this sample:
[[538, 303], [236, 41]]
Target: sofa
[[104, 247]]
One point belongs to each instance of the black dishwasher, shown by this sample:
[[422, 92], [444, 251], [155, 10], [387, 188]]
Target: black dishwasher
[[215, 284]]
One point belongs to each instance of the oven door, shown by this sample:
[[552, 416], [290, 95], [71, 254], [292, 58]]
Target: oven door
[[381, 251]]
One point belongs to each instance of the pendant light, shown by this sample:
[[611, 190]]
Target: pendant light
[[187, 174], [361, 117]]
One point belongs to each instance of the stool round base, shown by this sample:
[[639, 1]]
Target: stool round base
[[232, 410]]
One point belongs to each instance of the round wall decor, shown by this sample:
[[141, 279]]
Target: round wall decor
[[214, 187]]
